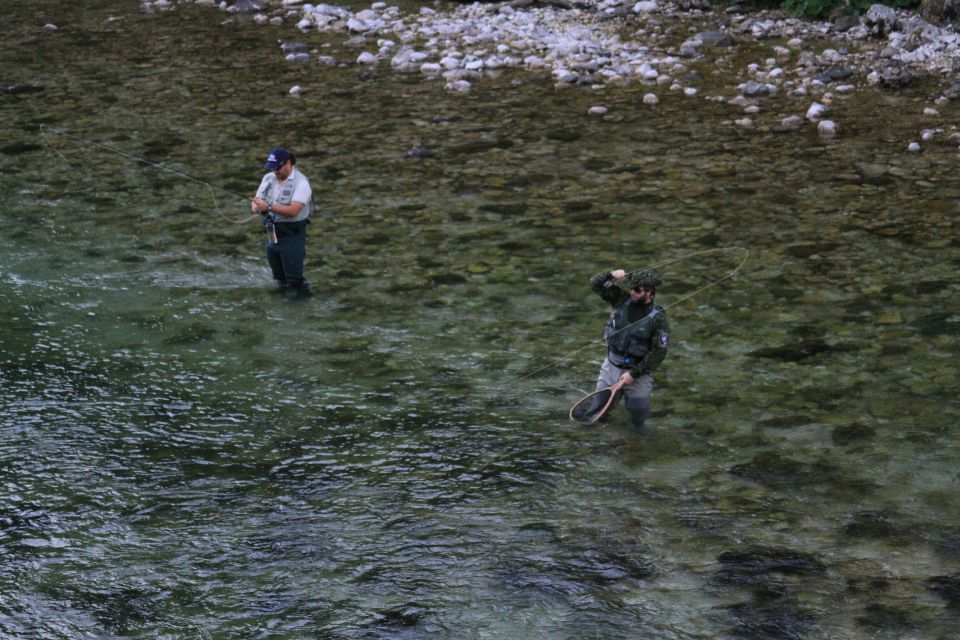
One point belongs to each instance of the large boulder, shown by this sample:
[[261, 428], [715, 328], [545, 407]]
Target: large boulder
[[943, 12], [880, 20]]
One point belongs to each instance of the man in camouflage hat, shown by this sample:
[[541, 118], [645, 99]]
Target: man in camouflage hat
[[637, 337]]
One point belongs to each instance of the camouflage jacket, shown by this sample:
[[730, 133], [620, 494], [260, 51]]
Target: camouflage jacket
[[660, 334]]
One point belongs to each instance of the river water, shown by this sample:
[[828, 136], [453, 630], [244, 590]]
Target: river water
[[184, 453]]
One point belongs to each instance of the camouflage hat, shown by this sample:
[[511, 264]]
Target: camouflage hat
[[645, 279]]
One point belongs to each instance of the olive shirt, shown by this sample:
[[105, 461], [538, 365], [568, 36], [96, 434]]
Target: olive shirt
[[659, 333]]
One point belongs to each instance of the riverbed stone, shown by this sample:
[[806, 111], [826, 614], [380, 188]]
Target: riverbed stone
[[758, 564], [792, 122], [827, 129], [817, 111]]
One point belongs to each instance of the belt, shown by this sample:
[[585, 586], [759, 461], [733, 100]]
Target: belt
[[287, 229], [627, 360]]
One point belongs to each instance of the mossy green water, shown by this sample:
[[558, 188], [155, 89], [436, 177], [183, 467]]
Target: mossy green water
[[185, 453]]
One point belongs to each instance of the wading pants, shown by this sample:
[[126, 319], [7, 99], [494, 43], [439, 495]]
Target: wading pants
[[636, 395], [286, 260]]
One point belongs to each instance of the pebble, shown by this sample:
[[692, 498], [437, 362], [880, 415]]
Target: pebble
[[792, 122], [913, 147], [817, 111], [585, 44], [598, 110], [827, 129]]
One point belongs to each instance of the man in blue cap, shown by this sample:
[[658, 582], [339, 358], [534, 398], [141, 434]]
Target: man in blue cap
[[286, 199]]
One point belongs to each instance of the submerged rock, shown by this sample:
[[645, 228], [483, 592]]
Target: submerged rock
[[771, 468], [947, 587], [757, 564]]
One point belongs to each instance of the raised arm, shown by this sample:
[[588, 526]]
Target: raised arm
[[603, 284]]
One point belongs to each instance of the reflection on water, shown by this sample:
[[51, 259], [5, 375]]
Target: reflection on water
[[183, 453]]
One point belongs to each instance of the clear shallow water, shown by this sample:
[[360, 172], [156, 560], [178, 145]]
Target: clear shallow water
[[185, 454]]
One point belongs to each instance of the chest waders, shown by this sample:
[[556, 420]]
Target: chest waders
[[627, 344], [286, 241]]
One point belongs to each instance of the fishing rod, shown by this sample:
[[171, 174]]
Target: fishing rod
[[212, 187]]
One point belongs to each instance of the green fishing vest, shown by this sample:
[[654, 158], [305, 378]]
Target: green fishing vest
[[627, 346]]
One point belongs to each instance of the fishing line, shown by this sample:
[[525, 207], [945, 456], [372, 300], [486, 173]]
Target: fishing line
[[657, 265], [212, 187]]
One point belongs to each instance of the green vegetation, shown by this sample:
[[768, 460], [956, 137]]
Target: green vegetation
[[823, 8]]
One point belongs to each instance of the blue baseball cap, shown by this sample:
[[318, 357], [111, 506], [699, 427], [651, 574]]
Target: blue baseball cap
[[278, 155]]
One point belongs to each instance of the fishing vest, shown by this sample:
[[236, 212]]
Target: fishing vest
[[276, 193], [627, 346]]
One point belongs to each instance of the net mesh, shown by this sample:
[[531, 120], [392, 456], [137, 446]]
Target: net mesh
[[592, 407]]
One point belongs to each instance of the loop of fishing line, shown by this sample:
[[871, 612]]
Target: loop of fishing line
[[213, 188], [657, 265]]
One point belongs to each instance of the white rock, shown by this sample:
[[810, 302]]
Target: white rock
[[598, 110], [826, 129], [304, 24], [355, 24], [830, 56], [298, 57], [296, 90], [458, 86], [534, 62], [846, 88], [817, 111], [366, 58], [645, 6], [50, 27], [746, 123], [449, 62], [430, 69], [792, 122], [651, 99], [929, 111], [690, 91], [913, 147]]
